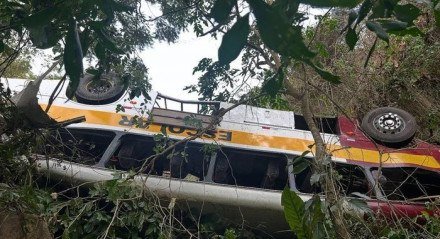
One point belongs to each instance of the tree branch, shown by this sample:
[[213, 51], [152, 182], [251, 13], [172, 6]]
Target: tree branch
[[263, 54], [174, 11]]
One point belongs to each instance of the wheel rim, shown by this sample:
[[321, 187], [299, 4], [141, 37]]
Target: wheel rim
[[389, 123], [99, 86]]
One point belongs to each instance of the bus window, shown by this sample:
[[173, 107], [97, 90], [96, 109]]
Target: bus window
[[84, 146], [188, 162], [325, 125], [185, 161], [302, 182], [132, 152], [407, 183], [352, 180], [250, 169]]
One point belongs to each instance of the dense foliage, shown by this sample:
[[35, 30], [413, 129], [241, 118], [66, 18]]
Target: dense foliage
[[276, 47]]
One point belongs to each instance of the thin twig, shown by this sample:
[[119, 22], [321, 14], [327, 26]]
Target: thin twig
[[113, 219]]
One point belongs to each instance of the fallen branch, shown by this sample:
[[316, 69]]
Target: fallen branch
[[75, 120]]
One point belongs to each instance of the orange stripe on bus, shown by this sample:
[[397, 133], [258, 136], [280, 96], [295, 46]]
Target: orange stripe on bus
[[60, 113]]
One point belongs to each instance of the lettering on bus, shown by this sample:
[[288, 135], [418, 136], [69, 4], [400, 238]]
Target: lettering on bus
[[210, 134], [133, 121], [176, 130]]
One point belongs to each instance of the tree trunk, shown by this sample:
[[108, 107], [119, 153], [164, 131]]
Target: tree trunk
[[331, 190], [328, 184]]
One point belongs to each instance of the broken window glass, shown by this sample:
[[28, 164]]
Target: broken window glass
[[408, 183], [250, 169], [352, 181]]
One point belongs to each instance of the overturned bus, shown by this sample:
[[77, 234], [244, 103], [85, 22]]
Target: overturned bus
[[239, 167]]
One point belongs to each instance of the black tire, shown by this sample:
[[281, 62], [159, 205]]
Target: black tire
[[389, 125], [98, 92]]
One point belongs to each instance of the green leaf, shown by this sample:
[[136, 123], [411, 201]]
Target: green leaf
[[97, 25], [277, 33], [319, 231], [316, 218], [325, 74], [106, 7], [300, 164], [392, 25], [331, 3], [305, 153], [221, 10], [73, 58], [40, 18], [315, 178], [321, 50], [93, 71], [437, 14], [363, 11], [370, 52], [100, 51], [383, 9], [407, 13], [412, 31], [294, 212], [352, 16], [88, 228], [288, 8], [44, 36], [107, 42], [399, 28], [120, 7], [351, 38], [273, 85], [71, 88], [377, 28], [233, 41], [84, 37], [163, 130], [2, 46], [360, 204]]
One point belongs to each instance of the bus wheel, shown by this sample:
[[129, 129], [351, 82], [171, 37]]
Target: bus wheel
[[389, 125], [105, 90]]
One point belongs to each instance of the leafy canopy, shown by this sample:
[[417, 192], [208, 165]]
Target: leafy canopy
[[275, 29], [111, 31]]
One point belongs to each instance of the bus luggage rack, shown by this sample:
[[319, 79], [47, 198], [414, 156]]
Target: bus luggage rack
[[189, 106], [171, 111]]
